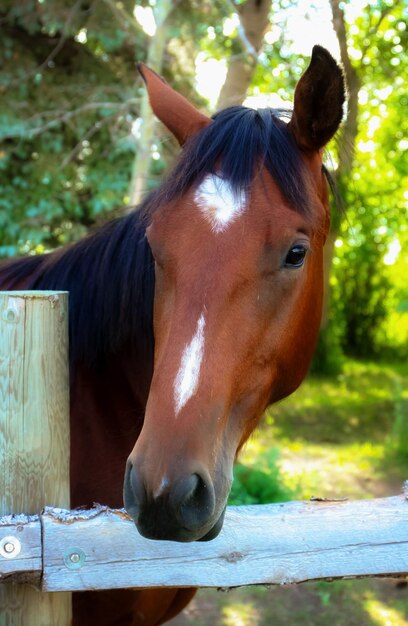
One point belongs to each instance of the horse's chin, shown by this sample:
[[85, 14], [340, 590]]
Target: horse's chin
[[215, 530], [181, 535]]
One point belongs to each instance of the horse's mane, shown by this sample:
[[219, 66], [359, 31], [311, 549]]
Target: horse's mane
[[237, 144], [110, 279], [110, 274]]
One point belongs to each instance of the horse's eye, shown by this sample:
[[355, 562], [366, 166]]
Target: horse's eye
[[296, 256]]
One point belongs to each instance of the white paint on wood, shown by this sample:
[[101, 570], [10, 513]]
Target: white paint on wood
[[34, 434], [218, 202], [188, 375]]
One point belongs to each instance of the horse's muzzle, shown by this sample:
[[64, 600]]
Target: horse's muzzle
[[184, 511]]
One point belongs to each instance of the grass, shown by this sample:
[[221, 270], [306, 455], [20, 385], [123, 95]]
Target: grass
[[335, 437], [340, 603], [356, 406]]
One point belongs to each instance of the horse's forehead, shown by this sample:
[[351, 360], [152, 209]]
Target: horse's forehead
[[219, 203], [215, 215]]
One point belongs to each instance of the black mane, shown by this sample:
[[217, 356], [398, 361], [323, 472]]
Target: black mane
[[110, 275], [236, 145], [110, 279]]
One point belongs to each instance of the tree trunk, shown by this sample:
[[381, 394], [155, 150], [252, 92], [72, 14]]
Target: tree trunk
[[349, 131], [141, 164], [254, 19], [346, 145]]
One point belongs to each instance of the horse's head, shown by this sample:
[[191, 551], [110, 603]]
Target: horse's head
[[237, 240]]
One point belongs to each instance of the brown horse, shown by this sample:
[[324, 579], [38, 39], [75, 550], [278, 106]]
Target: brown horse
[[229, 251]]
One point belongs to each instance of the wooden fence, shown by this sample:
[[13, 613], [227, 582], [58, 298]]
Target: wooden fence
[[34, 434], [269, 544], [55, 549]]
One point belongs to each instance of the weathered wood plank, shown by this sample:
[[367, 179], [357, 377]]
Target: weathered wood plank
[[34, 430], [269, 544], [20, 548]]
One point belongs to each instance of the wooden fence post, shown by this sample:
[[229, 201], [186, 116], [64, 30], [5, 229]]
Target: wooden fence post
[[34, 434]]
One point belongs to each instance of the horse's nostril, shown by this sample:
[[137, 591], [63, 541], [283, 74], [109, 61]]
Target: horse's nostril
[[182, 510], [187, 489], [134, 494], [193, 500]]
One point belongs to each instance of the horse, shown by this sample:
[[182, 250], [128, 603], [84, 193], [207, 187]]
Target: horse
[[192, 314]]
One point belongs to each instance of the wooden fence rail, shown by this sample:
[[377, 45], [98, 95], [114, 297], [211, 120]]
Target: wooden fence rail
[[278, 544]]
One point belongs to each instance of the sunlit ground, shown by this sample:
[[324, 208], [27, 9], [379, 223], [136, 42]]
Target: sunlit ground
[[334, 439], [341, 603], [382, 614]]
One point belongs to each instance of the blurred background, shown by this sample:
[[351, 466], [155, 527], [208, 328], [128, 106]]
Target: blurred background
[[79, 146]]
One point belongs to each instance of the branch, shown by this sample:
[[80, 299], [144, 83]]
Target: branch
[[53, 53], [128, 21], [248, 47], [123, 17], [339, 26], [254, 21], [346, 141], [154, 58], [66, 116], [373, 29], [95, 128]]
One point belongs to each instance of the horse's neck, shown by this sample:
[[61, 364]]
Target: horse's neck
[[107, 411]]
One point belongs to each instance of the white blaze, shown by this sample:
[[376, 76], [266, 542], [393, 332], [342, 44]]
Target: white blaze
[[187, 378], [163, 484], [218, 202]]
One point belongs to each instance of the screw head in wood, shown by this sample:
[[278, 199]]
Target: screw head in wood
[[10, 547], [74, 558]]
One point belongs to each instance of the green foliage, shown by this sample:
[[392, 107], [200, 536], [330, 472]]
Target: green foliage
[[70, 106], [343, 436], [363, 297], [399, 433], [356, 405], [328, 358], [68, 101], [260, 484], [367, 279]]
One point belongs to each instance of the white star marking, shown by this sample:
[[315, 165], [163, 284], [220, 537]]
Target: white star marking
[[218, 202]]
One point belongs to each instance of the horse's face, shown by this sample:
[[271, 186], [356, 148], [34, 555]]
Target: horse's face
[[237, 312]]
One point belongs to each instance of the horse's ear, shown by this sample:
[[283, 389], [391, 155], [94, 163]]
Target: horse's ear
[[319, 99], [180, 117]]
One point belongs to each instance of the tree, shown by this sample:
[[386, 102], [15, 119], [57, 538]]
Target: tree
[[369, 171], [141, 165], [70, 116], [253, 22], [66, 113]]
